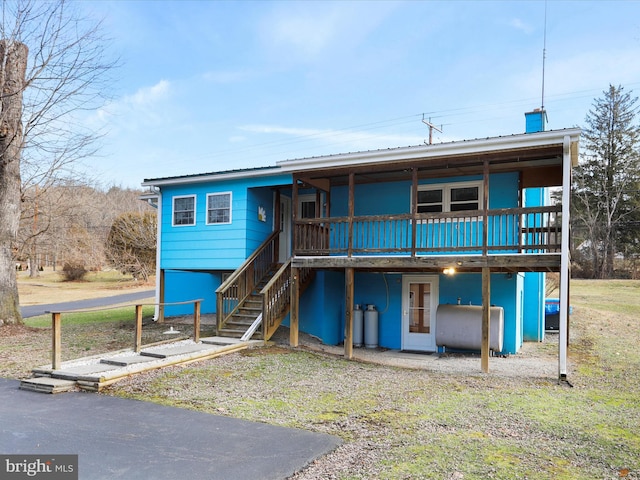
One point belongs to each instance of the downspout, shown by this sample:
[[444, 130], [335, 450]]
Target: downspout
[[564, 260]]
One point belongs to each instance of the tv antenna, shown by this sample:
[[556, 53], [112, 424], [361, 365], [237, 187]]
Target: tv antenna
[[544, 52], [432, 127]]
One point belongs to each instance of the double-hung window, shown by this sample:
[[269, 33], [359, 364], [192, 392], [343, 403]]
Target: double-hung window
[[184, 210], [453, 197], [218, 208]]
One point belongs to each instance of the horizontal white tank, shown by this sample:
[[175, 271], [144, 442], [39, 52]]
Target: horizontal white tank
[[460, 327]]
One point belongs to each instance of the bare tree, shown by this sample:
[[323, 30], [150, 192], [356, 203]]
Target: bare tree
[[53, 67]]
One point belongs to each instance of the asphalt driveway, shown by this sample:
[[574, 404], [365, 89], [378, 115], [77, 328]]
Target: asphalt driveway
[[117, 438]]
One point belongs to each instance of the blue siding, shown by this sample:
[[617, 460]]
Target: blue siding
[[223, 246], [385, 292], [534, 282], [321, 310], [322, 306], [183, 286]]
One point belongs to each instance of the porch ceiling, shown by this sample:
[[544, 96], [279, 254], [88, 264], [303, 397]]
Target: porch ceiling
[[540, 167]]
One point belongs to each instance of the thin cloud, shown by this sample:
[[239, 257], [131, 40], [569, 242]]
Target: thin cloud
[[348, 139], [518, 24], [142, 108]]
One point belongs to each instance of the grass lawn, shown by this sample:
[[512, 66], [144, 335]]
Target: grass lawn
[[407, 424]]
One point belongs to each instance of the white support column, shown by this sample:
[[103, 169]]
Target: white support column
[[565, 269], [159, 277]]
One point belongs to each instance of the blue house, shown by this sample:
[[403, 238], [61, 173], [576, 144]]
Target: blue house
[[444, 246]]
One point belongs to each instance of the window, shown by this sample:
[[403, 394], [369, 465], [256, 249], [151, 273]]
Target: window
[[455, 197], [218, 208], [184, 210], [307, 206]]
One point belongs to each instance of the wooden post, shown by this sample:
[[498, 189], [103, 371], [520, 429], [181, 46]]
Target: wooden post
[[293, 308], [294, 216], [486, 318], [196, 321], [161, 298], [348, 303], [56, 353], [414, 209], [485, 208], [138, 339], [351, 213]]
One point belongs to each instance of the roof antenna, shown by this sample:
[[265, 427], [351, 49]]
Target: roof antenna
[[432, 127], [544, 52]]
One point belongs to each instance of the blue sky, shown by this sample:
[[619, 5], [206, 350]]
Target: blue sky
[[206, 86]]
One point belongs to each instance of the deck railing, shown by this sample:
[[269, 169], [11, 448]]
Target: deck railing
[[235, 290], [276, 297], [509, 230]]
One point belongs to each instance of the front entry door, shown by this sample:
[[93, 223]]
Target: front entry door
[[419, 304]]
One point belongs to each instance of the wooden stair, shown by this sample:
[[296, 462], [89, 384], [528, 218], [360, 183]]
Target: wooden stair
[[247, 313]]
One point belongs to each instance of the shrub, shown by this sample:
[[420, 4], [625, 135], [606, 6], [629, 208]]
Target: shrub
[[72, 272]]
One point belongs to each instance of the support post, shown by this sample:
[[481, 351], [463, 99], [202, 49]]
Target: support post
[[414, 209], [138, 338], [56, 353], [196, 321], [351, 207], [294, 307], [486, 319], [485, 208], [161, 298], [348, 303], [565, 268]]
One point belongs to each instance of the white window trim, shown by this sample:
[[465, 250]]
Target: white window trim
[[214, 194], [446, 192], [173, 211]]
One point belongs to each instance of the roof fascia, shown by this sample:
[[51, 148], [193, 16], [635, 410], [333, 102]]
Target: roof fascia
[[461, 148], [161, 182]]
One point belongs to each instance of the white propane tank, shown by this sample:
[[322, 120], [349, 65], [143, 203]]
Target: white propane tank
[[358, 326], [371, 327]]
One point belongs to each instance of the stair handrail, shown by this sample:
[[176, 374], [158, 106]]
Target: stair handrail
[[235, 289], [275, 299]]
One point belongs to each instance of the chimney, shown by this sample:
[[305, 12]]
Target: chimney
[[535, 121]]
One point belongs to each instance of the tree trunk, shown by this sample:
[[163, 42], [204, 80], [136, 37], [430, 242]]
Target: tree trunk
[[14, 62]]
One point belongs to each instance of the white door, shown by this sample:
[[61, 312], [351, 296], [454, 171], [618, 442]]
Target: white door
[[419, 304], [285, 229]]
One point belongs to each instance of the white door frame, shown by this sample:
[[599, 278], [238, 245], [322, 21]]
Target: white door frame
[[425, 342], [284, 240]]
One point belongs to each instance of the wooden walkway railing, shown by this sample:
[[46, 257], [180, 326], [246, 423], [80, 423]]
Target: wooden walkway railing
[[508, 230], [56, 327]]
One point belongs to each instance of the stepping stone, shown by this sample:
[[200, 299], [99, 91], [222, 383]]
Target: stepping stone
[[81, 370], [47, 385], [127, 360], [178, 350], [220, 340]]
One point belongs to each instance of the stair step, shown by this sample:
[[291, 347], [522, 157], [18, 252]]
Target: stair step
[[47, 385]]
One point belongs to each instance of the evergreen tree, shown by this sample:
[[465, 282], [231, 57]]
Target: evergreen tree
[[605, 184]]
